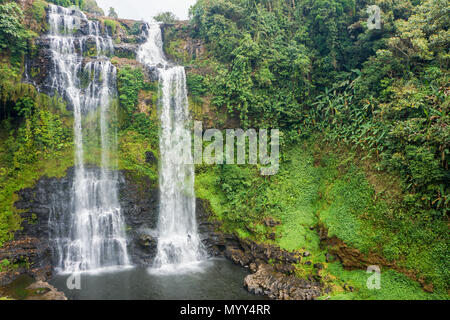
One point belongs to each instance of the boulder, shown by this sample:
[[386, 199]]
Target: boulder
[[278, 286], [44, 291]]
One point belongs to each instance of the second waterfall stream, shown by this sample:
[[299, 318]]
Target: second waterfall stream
[[179, 245]]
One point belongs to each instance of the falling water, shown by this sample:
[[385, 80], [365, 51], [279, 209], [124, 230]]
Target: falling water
[[179, 246], [91, 234]]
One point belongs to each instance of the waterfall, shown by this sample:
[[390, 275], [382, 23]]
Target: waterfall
[[91, 234], [179, 246]]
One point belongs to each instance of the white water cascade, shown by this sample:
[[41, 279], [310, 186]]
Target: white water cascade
[[91, 234], [179, 245]]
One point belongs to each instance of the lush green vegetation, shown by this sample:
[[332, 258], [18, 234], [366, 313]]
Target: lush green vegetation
[[35, 131], [139, 129], [310, 67], [13, 35], [35, 128], [130, 81], [38, 14], [112, 25]]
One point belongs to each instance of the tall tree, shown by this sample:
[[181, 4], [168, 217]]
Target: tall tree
[[112, 13], [165, 17]]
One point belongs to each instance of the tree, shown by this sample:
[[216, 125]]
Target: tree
[[112, 13], [12, 32], [91, 6], [165, 17]]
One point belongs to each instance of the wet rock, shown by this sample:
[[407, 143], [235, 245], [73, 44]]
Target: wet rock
[[142, 248], [151, 73], [278, 286], [213, 241], [139, 201], [237, 256], [44, 291], [31, 247], [253, 267], [126, 50], [277, 282], [84, 28], [270, 222]]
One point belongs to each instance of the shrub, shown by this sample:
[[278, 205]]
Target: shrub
[[38, 10], [13, 35], [129, 82], [111, 25]]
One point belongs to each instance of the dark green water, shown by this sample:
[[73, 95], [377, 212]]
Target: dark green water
[[218, 280]]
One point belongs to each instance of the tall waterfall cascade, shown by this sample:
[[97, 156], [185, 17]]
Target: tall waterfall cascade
[[179, 245], [90, 235]]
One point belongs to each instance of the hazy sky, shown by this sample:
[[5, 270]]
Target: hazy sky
[[146, 9]]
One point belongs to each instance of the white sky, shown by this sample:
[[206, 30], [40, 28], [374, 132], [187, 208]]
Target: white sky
[[146, 9]]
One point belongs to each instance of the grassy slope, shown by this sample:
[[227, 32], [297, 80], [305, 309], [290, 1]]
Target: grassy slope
[[335, 193]]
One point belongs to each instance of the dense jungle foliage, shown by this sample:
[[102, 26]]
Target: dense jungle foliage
[[313, 66], [35, 131]]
